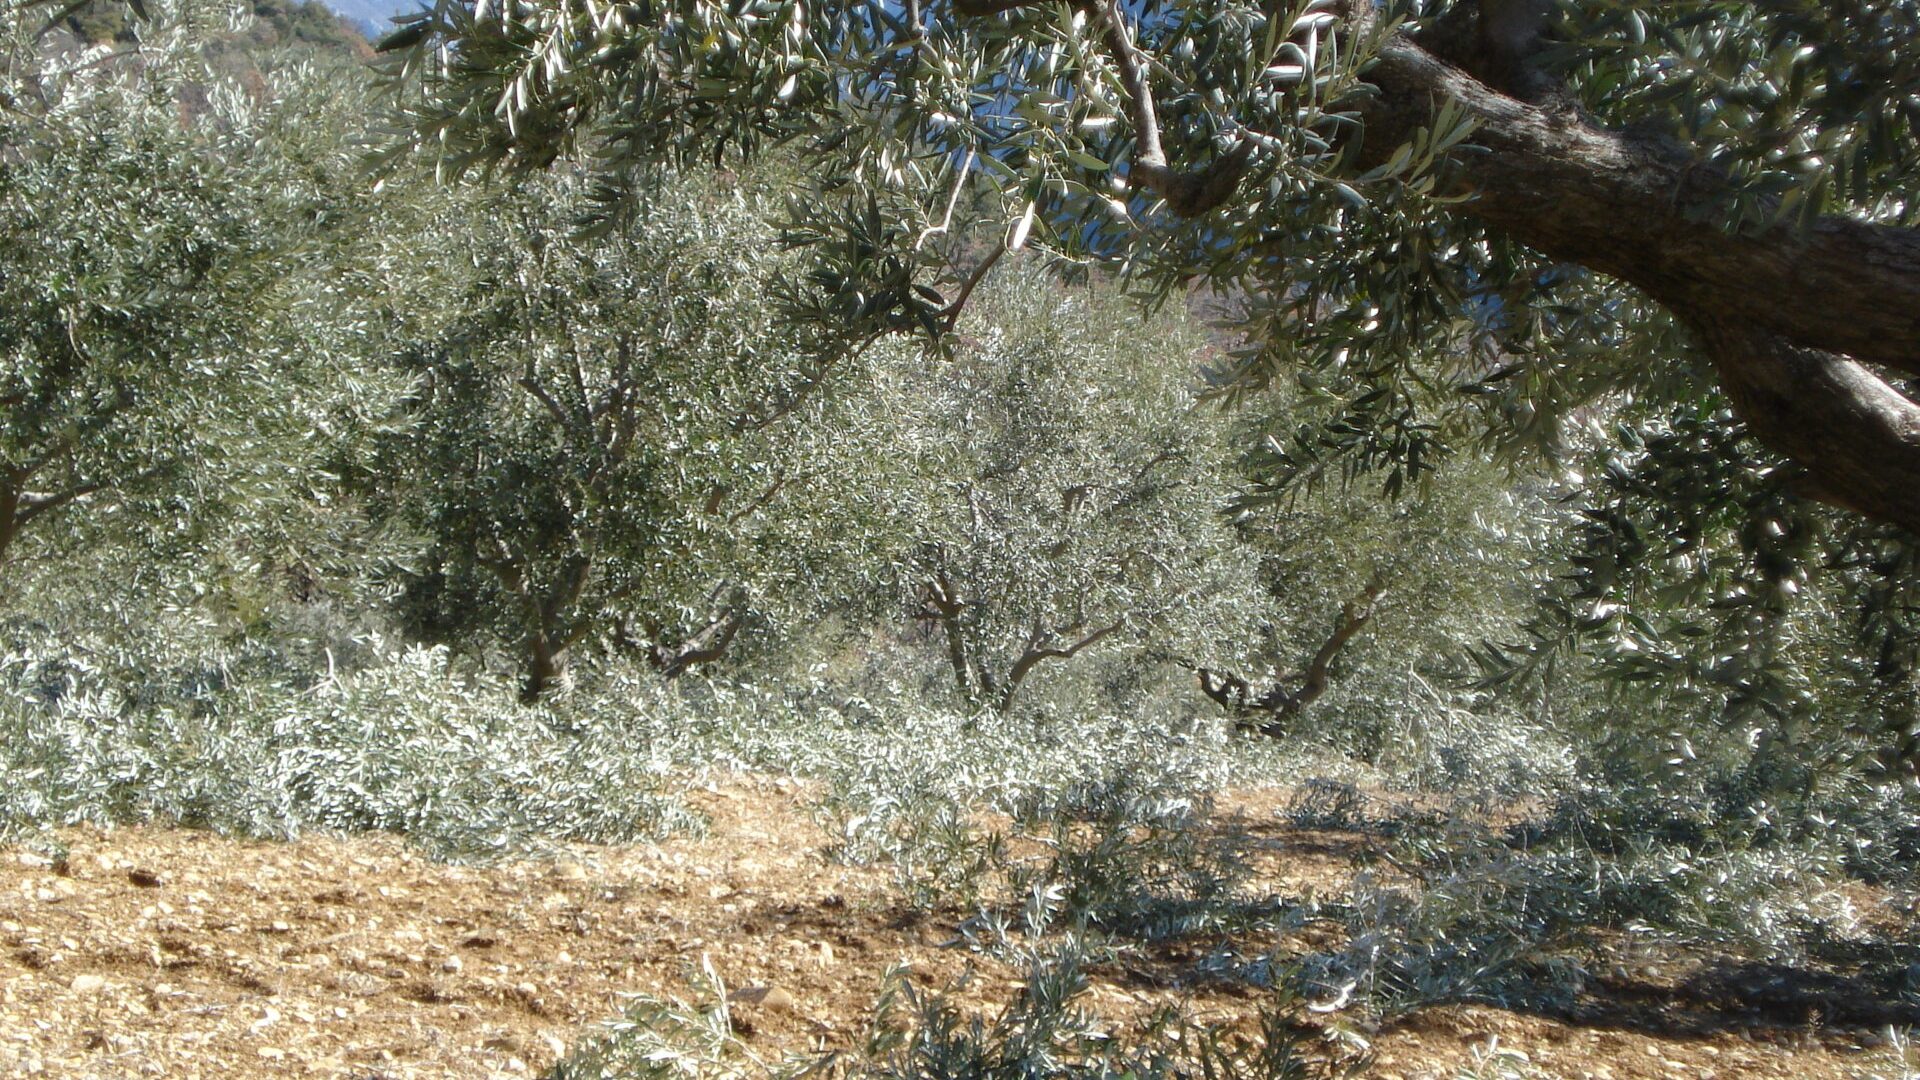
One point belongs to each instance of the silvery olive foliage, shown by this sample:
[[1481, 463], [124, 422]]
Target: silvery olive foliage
[[1074, 487], [1047, 1028], [190, 254], [610, 441], [132, 276], [615, 409], [1358, 178], [228, 739]]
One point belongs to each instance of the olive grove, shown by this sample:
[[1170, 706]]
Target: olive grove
[[1318, 510], [1579, 238]]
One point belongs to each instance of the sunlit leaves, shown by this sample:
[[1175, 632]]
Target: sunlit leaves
[[1812, 106], [613, 441]]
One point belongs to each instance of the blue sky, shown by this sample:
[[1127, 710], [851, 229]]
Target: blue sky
[[373, 15]]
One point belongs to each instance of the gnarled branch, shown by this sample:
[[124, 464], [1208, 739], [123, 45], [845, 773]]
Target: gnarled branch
[[1789, 316], [1037, 652], [1272, 712], [705, 646]]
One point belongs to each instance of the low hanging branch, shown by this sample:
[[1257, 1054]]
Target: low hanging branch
[[710, 644], [704, 646], [1636, 204], [1272, 711]]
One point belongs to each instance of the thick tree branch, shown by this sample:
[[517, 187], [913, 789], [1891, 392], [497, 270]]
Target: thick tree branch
[[534, 386], [1036, 653], [1855, 438], [1271, 713], [1148, 157], [32, 504], [710, 643], [1636, 206], [1789, 316], [1354, 616], [945, 606]]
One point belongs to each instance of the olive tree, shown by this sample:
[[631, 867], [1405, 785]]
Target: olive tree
[[116, 312], [159, 231], [1074, 486], [1366, 596], [1545, 232], [610, 440]]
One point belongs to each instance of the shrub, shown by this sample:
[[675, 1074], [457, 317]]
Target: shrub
[[403, 746]]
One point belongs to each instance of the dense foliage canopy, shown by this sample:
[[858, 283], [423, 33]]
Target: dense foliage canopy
[[1024, 422], [1581, 237]]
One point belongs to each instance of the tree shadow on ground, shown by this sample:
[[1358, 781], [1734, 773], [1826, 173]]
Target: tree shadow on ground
[[1733, 995]]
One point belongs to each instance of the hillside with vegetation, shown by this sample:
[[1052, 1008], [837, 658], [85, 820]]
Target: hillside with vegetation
[[261, 28], [748, 541]]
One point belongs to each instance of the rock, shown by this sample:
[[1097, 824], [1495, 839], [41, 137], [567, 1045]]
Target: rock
[[87, 984], [767, 997], [451, 965]]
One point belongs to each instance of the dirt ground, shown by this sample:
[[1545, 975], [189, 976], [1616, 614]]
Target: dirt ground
[[167, 952]]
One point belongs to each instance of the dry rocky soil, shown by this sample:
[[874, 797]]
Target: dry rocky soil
[[168, 952]]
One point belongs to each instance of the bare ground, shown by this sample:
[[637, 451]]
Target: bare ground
[[170, 952]]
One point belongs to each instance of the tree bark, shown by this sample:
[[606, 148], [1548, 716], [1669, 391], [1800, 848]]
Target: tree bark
[[546, 665], [547, 637], [1272, 712], [9, 517], [945, 607], [707, 645], [1036, 652], [1639, 207], [1789, 317]]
